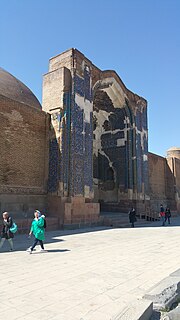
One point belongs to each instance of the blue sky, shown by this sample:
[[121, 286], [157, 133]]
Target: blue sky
[[139, 39]]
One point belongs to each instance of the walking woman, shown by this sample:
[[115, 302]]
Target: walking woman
[[6, 234], [37, 228]]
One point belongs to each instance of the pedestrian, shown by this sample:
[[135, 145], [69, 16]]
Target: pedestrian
[[167, 215], [132, 217], [6, 234], [37, 228], [162, 215]]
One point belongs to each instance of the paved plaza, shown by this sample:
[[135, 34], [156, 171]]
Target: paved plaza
[[88, 274]]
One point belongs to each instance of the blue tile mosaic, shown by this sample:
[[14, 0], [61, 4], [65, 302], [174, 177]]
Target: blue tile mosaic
[[109, 140], [66, 141], [88, 163], [145, 166], [53, 165], [144, 119], [139, 120], [87, 85], [129, 160], [79, 85], [139, 162]]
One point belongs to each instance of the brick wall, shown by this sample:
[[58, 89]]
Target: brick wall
[[24, 148], [161, 183], [174, 167], [177, 168], [177, 175], [157, 166]]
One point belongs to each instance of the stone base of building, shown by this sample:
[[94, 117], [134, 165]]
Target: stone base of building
[[74, 211], [79, 212], [23, 205], [142, 207]]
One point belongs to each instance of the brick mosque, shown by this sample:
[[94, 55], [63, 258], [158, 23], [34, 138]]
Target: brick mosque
[[84, 151]]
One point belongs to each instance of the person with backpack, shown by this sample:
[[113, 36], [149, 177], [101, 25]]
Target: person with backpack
[[6, 233], [40, 215], [37, 228]]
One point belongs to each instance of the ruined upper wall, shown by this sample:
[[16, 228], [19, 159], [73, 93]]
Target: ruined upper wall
[[73, 59], [64, 59], [55, 83]]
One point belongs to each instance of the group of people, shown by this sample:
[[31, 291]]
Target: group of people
[[165, 215], [38, 226]]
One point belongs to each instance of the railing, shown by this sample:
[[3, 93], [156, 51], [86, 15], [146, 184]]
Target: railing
[[152, 215]]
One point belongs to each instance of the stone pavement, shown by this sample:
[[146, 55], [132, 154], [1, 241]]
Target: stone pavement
[[92, 275]]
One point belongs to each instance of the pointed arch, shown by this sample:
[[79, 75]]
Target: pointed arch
[[114, 136]]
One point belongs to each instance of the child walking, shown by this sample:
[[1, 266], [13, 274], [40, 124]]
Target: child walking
[[37, 228]]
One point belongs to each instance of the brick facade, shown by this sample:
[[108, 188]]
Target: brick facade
[[24, 154], [87, 147]]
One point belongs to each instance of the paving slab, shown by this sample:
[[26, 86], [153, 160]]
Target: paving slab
[[99, 273]]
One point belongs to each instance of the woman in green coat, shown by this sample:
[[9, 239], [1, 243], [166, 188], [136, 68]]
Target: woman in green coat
[[37, 228]]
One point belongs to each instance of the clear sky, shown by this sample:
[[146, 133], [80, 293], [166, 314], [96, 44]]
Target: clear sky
[[139, 39]]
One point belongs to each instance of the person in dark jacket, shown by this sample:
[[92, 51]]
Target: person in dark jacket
[[167, 215], [132, 217], [6, 234]]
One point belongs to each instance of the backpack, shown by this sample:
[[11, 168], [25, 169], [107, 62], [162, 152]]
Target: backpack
[[14, 228]]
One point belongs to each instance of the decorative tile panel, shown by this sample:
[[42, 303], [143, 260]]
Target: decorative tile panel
[[53, 165]]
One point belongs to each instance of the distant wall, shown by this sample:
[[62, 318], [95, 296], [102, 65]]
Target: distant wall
[[174, 165], [161, 183], [177, 175], [177, 180]]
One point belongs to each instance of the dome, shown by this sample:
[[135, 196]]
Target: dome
[[174, 149], [14, 89], [174, 152]]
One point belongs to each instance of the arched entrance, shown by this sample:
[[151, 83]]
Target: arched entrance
[[113, 142]]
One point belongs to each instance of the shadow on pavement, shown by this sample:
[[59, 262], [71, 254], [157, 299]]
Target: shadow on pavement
[[153, 224], [22, 242], [58, 250]]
